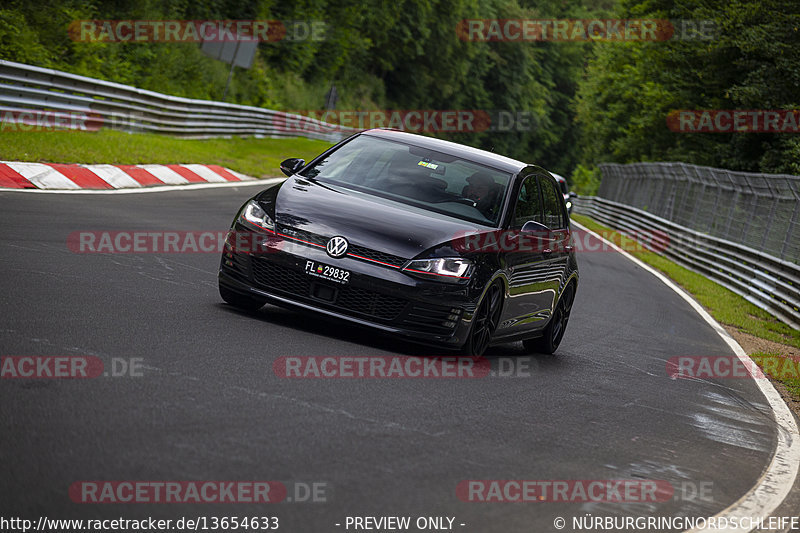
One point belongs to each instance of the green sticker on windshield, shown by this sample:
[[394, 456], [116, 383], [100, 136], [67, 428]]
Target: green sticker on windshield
[[432, 166]]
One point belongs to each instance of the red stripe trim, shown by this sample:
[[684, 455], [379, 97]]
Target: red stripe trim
[[373, 260], [186, 173], [13, 179], [140, 175], [261, 228], [83, 177], [223, 172], [300, 240]]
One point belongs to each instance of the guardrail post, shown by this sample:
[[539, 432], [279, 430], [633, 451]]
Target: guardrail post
[[713, 174], [752, 208], [732, 208], [789, 232], [771, 217], [669, 210]]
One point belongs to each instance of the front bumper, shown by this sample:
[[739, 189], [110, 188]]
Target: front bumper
[[377, 296]]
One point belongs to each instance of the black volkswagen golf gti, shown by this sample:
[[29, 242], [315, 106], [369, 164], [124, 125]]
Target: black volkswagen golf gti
[[435, 241]]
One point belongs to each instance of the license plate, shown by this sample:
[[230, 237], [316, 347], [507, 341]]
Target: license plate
[[327, 272]]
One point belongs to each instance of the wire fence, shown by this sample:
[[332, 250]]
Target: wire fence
[[760, 211]]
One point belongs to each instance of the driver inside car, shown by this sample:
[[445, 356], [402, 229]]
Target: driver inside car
[[483, 190]]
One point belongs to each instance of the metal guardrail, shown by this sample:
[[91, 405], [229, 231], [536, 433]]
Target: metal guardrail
[[767, 281], [28, 90]]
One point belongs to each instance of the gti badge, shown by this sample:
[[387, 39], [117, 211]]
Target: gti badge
[[337, 247]]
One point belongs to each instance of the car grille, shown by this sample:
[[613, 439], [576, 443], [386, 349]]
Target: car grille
[[353, 300], [279, 278], [360, 251], [377, 256], [370, 302]]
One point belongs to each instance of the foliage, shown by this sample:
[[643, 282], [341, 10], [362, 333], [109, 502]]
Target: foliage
[[586, 180], [751, 62], [588, 102]]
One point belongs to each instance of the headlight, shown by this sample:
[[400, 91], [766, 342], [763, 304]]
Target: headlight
[[453, 269], [254, 215], [569, 205]]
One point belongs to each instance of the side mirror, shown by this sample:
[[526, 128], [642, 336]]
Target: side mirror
[[573, 194], [291, 166], [532, 226]]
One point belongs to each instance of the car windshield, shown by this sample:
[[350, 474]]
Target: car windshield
[[434, 181]]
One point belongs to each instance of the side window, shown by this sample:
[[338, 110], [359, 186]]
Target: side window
[[529, 205], [553, 214]]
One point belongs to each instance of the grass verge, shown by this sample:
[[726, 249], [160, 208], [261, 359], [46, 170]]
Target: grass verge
[[255, 157], [728, 308]]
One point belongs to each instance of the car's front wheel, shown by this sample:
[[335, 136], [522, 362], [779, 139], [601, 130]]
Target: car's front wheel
[[484, 322], [554, 332], [239, 300]]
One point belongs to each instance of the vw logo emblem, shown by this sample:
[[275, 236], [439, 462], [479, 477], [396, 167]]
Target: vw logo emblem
[[337, 247]]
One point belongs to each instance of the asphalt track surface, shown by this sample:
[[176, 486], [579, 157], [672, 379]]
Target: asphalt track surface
[[209, 406]]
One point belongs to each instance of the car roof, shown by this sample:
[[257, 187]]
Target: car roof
[[459, 150]]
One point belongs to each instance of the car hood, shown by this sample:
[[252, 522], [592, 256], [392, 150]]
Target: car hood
[[365, 220]]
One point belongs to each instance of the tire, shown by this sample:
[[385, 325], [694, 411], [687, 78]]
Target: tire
[[554, 332], [241, 301], [484, 322]]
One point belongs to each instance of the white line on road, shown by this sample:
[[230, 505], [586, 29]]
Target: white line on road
[[778, 479]]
